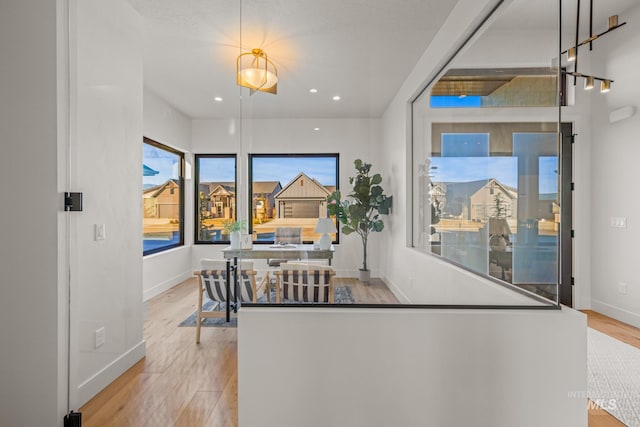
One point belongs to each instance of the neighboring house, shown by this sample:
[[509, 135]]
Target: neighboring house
[[264, 199], [475, 200], [219, 198], [162, 201], [303, 197]]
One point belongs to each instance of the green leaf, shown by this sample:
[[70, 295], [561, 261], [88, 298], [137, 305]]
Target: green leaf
[[347, 230], [376, 190], [376, 179], [357, 163], [378, 226]]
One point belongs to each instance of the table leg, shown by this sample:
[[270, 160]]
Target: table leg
[[227, 290], [235, 284]]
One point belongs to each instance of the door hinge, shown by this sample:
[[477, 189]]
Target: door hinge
[[573, 186], [573, 233], [73, 202], [573, 137], [573, 281]]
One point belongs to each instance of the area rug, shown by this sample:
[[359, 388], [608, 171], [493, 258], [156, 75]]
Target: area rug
[[614, 377], [343, 295]]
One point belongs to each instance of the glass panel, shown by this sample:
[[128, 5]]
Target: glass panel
[[215, 197], [162, 198], [291, 191], [485, 193]]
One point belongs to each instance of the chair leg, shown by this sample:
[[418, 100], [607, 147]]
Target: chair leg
[[199, 320]]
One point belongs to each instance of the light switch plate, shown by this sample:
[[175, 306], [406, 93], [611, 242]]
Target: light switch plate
[[99, 231], [618, 222]]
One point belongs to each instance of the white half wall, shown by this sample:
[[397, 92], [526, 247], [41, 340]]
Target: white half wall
[[615, 153], [168, 126], [351, 138], [32, 272], [106, 157], [395, 367]]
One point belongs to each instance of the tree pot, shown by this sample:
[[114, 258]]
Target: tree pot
[[364, 276]]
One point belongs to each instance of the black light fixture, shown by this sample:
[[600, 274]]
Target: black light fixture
[[572, 52]]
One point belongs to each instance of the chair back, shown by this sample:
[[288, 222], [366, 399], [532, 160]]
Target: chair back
[[213, 277], [306, 282], [291, 235]]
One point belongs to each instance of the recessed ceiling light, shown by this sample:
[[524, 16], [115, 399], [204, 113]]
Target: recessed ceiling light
[[313, 90], [217, 99], [316, 128], [336, 98]]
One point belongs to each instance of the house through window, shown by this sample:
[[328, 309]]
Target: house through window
[[215, 198], [162, 197], [290, 191]]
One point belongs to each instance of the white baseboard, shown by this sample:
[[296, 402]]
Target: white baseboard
[[109, 373], [396, 291], [616, 312], [165, 285]]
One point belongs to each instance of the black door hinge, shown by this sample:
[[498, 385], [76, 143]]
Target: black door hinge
[[573, 186], [73, 202], [573, 281], [573, 233]]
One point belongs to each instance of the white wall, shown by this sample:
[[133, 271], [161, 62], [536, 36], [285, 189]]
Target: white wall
[[351, 138], [32, 338], [615, 150], [106, 158], [165, 124], [411, 368]]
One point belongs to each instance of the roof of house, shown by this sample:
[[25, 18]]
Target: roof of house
[[157, 189], [321, 189], [464, 190]]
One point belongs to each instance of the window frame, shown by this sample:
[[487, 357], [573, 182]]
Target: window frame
[[251, 156], [181, 199], [196, 199]]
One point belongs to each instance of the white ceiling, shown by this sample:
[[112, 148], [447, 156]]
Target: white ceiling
[[361, 50]]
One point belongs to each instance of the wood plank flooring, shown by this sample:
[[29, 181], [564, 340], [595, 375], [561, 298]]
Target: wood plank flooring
[[180, 383], [183, 384]]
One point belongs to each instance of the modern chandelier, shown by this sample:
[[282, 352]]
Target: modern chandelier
[[257, 72], [572, 52]]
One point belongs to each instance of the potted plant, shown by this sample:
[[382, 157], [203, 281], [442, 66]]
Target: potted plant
[[360, 212], [233, 229]]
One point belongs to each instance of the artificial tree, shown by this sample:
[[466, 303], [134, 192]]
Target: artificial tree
[[361, 211]]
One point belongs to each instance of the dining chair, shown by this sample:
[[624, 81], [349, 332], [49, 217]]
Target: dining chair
[[304, 282], [212, 279]]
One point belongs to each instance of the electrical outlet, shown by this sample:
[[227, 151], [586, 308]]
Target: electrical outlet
[[622, 288], [100, 337]]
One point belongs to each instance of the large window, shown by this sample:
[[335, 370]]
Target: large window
[[290, 191], [215, 196], [162, 197]]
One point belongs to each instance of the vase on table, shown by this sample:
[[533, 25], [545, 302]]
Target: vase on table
[[235, 239]]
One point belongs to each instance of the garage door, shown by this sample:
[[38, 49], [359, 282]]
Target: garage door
[[304, 209]]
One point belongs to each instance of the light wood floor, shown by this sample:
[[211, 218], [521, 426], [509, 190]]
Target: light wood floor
[[180, 383]]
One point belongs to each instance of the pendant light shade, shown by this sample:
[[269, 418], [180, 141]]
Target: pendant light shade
[[571, 54], [257, 72], [605, 86], [588, 83]]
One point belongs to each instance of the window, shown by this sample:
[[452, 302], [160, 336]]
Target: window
[[496, 87], [215, 197], [162, 197], [290, 190]]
